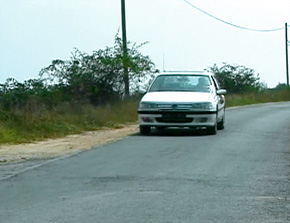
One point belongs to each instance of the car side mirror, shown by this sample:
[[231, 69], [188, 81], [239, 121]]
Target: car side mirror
[[142, 91], [221, 91]]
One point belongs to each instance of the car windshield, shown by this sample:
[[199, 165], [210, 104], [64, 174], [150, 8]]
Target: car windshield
[[191, 83]]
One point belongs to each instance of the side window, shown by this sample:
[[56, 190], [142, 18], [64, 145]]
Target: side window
[[215, 83]]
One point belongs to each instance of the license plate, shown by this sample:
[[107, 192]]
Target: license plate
[[174, 116]]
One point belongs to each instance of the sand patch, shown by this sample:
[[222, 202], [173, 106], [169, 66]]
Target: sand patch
[[62, 146]]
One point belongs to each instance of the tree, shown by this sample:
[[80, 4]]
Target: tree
[[99, 77], [237, 78], [281, 86], [16, 95]]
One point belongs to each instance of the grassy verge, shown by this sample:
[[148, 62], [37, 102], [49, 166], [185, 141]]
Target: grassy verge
[[256, 98], [20, 127], [39, 124]]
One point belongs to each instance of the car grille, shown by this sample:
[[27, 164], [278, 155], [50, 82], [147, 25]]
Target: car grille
[[174, 106]]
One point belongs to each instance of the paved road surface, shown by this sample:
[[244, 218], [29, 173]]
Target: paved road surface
[[242, 174]]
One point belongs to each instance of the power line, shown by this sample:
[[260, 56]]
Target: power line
[[231, 24]]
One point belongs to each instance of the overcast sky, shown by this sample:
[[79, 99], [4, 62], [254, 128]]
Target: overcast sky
[[35, 32]]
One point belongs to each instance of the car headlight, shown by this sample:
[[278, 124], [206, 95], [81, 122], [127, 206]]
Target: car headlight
[[147, 105], [203, 106]]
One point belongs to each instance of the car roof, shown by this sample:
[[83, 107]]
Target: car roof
[[199, 73]]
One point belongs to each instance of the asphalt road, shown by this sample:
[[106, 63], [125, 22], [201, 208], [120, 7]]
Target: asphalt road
[[242, 174]]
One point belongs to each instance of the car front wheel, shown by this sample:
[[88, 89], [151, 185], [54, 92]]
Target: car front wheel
[[221, 124], [212, 130]]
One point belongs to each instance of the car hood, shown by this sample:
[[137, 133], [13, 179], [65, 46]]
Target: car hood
[[177, 97]]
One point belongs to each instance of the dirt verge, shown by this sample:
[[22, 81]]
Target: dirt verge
[[58, 147]]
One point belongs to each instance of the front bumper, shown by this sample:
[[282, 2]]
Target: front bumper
[[177, 118]]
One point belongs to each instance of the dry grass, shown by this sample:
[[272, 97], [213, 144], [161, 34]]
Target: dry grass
[[22, 126], [258, 97], [37, 123]]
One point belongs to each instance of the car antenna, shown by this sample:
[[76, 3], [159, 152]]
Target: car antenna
[[163, 62]]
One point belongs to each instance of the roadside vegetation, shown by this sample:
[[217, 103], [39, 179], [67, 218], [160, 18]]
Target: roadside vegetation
[[86, 93], [270, 95], [244, 87], [18, 126]]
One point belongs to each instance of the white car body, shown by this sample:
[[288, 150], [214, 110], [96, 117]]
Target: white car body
[[184, 105]]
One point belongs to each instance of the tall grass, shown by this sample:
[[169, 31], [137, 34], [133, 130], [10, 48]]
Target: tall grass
[[38, 123], [258, 97], [26, 126]]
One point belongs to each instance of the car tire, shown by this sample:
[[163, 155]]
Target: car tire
[[221, 124], [145, 130], [212, 130]]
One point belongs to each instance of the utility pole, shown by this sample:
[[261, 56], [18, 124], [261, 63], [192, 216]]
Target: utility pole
[[287, 61], [125, 50]]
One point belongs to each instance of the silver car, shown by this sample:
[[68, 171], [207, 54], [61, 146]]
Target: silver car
[[183, 99]]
